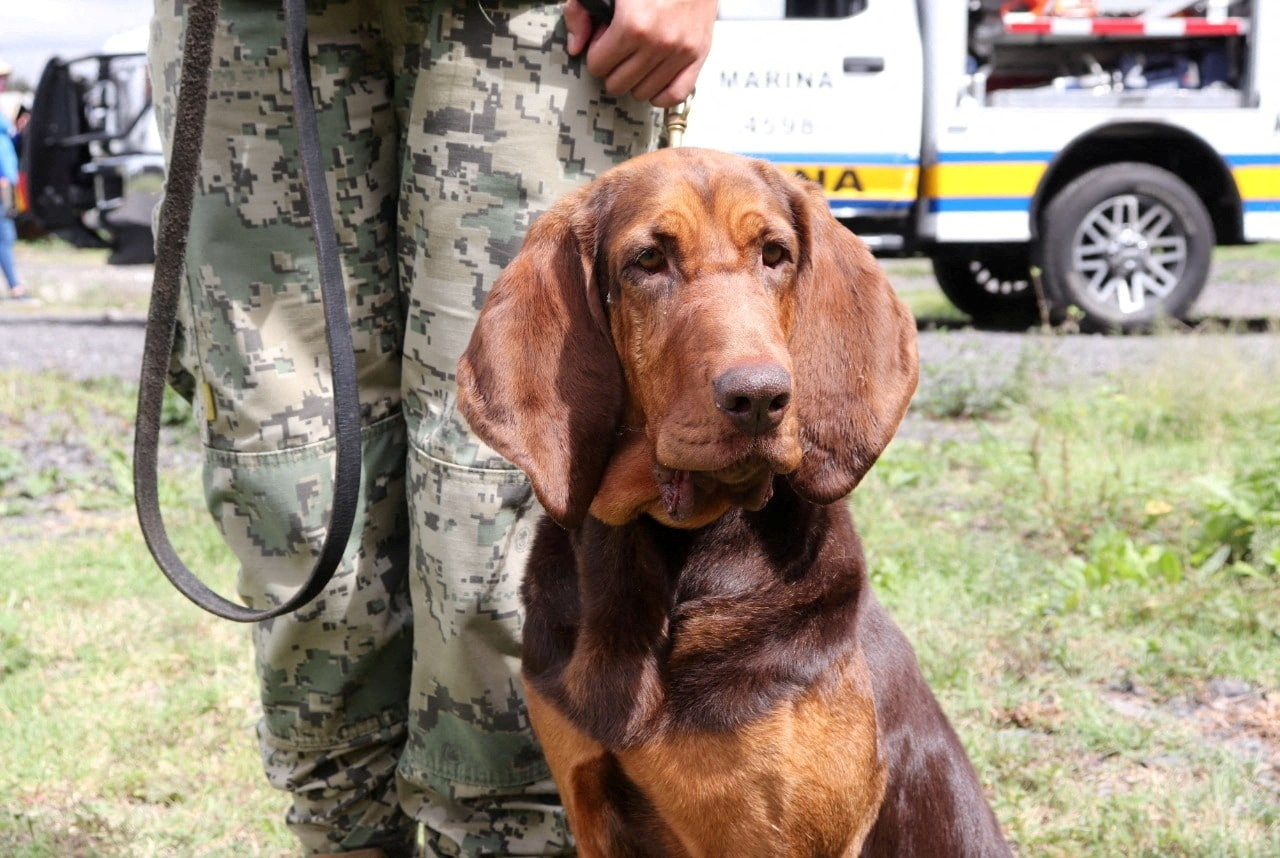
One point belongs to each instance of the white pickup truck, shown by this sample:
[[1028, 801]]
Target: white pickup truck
[[1108, 144]]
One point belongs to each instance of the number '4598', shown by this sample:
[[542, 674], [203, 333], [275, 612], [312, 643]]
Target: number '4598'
[[786, 125]]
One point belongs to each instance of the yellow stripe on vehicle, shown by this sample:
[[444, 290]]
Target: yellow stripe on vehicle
[[1015, 179], [1261, 182], [862, 182]]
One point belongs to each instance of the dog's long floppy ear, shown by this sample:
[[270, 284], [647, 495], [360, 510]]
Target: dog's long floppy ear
[[854, 350], [540, 380]]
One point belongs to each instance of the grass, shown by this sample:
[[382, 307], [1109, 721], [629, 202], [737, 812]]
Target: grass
[[1089, 574], [1266, 253], [126, 714], [1096, 566]]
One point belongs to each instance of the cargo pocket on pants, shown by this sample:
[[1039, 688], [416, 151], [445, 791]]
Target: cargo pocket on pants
[[472, 529]]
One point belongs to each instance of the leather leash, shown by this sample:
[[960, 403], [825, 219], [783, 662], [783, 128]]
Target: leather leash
[[171, 247]]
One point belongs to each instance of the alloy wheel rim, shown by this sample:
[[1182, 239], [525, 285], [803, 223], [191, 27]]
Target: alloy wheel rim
[[1130, 251]]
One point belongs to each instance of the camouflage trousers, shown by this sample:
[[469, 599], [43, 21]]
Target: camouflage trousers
[[447, 126]]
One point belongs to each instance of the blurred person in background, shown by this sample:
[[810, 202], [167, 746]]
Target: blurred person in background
[[8, 194]]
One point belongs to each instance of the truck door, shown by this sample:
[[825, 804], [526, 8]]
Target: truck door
[[832, 89]]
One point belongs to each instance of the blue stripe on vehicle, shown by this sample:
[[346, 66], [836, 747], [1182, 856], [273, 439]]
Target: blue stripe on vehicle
[[834, 158], [992, 157], [979, 204], [1269, 160], [882, 205]]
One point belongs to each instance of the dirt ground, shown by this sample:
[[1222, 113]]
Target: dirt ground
[[87, 320]]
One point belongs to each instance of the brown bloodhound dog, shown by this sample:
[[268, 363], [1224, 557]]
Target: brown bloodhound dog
[[695, 364]]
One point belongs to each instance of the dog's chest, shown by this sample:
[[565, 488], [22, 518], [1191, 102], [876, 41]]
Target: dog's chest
[[642, 629]]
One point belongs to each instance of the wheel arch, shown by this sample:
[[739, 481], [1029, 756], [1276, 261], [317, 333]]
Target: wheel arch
[[1175, 149]]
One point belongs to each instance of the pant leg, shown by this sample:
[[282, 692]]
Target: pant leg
[[251, 349], [8, 238], [499, 124]]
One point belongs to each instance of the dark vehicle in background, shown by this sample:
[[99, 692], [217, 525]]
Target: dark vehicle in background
[[92, 156]]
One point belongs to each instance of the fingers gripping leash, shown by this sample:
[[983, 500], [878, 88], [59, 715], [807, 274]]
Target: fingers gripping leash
[[675, 119]]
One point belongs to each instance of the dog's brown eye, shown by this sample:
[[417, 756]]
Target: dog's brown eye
[[651, 259], [772, 254]]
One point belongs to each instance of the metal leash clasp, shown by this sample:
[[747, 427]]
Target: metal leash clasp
[[676, 119]]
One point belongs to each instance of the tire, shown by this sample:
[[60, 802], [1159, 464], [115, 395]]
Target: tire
[[132, 245], [1127, 244], [991, 284]]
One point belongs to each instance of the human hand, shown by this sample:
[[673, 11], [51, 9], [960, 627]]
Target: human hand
[[652, 49]]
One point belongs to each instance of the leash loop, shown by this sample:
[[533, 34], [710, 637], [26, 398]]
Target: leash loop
[[171, 248]]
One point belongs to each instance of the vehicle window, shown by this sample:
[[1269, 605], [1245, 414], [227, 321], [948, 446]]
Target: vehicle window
[[824, 8], [742, 10]]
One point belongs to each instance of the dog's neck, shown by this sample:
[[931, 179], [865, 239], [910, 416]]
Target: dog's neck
[[631, 620]]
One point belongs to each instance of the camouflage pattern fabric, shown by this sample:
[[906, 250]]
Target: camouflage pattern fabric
[[394, 698]]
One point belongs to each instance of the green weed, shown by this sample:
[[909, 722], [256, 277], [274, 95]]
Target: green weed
[[1076, 569], [1240, 523]]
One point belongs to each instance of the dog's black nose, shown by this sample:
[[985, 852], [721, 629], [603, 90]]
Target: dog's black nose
[[755, 397]]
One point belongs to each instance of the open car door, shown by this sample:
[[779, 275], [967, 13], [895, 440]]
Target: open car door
[[93, 162]]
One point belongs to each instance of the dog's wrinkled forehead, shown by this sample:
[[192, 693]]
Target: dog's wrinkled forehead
[[690, 196]]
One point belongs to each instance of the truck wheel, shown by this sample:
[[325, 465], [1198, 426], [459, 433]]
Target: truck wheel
[[992, 283], [1126, 244]]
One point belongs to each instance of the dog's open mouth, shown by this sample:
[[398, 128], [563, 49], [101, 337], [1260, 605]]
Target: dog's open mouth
[[748, 485]]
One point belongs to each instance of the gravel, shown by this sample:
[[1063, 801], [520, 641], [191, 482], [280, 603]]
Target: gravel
[[59, 334], [82, 348]]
